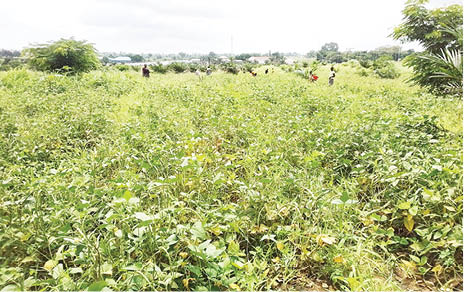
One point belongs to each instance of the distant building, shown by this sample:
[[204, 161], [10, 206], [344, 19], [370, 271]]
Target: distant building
[[120, 60], [259, 60], [223, 59]]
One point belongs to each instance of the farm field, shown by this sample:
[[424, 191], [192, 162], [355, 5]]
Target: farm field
[[112, 181]]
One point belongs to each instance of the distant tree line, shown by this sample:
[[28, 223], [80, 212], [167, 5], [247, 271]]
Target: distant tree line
[[9, 53], [329, 53]]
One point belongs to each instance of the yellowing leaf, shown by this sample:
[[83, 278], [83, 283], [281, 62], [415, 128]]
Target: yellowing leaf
[[50, 264], [28, 260], [234, 286], [216, 230], [276, 260], [201, 157], [183, 254], [186, 282], [437, 269], [280, 245], [338, 259], [367, 221], [353, 283], [25, 237], [404, 205], [409, 223]]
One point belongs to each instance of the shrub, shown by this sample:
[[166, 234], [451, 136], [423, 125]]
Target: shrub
[[230, 68], [177, 67], [193, 67], [247, 67], [10, 63], [159, 68], [384, 68], [362, 72], [122, 67], [65, 55], [365, 63]]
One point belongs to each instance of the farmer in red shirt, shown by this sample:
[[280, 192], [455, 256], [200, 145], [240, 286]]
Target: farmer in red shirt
[[312, 77]]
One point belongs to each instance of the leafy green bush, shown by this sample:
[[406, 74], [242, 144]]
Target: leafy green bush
[[10, 63], [177, 67], [362, 72], [64, 55], [365, 63], [122, 67], [158, 68], [192, 67], [230, 68], [248, 67], [385, 68]]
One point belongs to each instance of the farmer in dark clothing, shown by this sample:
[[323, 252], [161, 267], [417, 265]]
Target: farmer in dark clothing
[[145, 71]]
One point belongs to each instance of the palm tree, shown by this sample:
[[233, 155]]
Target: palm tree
[[448, 64]]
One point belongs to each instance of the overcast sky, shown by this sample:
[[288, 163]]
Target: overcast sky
[[201, 26]]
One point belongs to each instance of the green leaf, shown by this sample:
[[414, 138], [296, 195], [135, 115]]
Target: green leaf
[[107, 269], [345, 197], [11, 288], [423, 260], [97, 286], [142, 216], [212, 251], [127, 195], [413, 210], [414, 258], [198, 231], [77, 270]]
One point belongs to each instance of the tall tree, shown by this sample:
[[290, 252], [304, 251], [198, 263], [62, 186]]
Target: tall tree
[[66, 55], [439, 31], [330, 47]]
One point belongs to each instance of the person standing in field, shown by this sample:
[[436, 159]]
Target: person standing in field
[[145, 71], [208, 71], [331, 76], [312, 77]]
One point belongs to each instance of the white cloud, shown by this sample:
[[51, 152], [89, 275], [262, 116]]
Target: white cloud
[[204, 25]]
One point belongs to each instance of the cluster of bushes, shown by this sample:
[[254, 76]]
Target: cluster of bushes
[[9, 63], [178, 67], [383, 67]]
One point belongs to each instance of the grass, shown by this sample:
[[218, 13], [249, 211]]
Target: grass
[[234, 182]]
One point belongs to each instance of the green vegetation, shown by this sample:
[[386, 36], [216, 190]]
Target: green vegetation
[[439, 67], [64, 55], [109, 179]]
